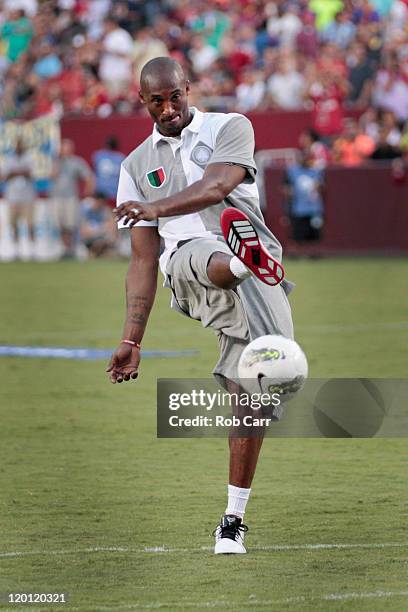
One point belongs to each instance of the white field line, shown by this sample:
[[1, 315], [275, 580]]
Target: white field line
[[257, 602], [164, 549], [252, 601]]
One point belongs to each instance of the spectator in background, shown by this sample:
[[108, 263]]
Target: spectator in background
[[307, 41], [95, 98], [251, 91], [69, 171], [364, 12], [303, 185], [286, 87], [389, 121], [107, 163], [284, 25], [361, 72], [327, 92], [353, 146], [97, 10], [397, 24], [97, 227], [325, 11], [369, 123], [19, 91], [71, 82], [331, 60], [146, 46], [341, 31], [115, 68], [201, 54], [235, 59], [16, 33], [383, 7], [28, 6], [384, 151], [211, 22], [319, 153], [391, 89], [19, 189], [48, 64]]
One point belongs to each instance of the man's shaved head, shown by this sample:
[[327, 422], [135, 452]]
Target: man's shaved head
[[161, 71], [164, 89]]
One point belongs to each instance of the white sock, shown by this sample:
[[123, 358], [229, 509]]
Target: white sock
[[237, 500], [239, 269]]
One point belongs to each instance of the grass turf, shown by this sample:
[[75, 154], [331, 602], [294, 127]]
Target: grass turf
[[81, 468]]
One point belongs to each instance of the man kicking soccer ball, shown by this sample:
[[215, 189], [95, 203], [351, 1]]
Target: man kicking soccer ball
[[192, 183]]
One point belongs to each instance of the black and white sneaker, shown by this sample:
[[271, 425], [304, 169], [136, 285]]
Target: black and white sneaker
[[229, 536]]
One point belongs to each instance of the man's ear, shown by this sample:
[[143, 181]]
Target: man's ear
[[187, 87], [141, 98]]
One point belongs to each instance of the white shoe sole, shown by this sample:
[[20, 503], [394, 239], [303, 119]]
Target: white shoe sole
[[225, 546]]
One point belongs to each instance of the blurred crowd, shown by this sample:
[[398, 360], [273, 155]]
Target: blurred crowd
[[344, 61], [85, 56]]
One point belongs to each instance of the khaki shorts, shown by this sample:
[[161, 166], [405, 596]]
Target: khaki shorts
[[65, 212], [21, 210], [237, 316]]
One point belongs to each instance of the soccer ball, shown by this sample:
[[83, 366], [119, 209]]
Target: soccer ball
[[273, 364]]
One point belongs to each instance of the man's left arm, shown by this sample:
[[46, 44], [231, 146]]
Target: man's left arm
[[230, 164]]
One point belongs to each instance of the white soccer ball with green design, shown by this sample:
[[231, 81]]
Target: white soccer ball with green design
[[273, 364]]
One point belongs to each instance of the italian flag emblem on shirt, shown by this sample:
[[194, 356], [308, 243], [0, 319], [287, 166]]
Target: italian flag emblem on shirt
[[156, 177]]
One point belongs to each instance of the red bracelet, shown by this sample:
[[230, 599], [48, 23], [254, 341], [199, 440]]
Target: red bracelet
[[131, 342]]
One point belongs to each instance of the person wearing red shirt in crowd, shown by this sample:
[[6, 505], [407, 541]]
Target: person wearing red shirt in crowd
[[327, 93], [95, 96], [307, 41], [236, 59], [71, 82], [331, 60]]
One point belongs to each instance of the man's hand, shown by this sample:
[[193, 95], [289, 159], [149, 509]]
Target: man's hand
[[136, 211], [124, 363]]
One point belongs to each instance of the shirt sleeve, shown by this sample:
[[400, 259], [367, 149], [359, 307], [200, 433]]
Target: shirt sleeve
[[127, 190], [235, 144]]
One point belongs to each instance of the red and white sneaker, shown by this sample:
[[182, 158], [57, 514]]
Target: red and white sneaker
[[244, 242]]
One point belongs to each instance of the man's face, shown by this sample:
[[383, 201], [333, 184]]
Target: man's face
[[166, 99], [67, 148]]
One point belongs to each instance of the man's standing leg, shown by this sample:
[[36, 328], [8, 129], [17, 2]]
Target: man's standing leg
[[226, 272]]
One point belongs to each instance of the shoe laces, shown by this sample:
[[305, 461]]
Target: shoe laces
[[231, 530]]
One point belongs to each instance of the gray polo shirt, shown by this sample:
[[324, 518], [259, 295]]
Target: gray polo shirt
[[162, 166], [71, 170]]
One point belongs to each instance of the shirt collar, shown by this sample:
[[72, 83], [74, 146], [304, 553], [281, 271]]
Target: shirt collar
[[193, 126]]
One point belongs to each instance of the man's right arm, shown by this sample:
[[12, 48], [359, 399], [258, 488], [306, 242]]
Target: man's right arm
[[141, 283]]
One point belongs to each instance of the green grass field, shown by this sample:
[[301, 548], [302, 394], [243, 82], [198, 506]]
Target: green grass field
[[93, 504]]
